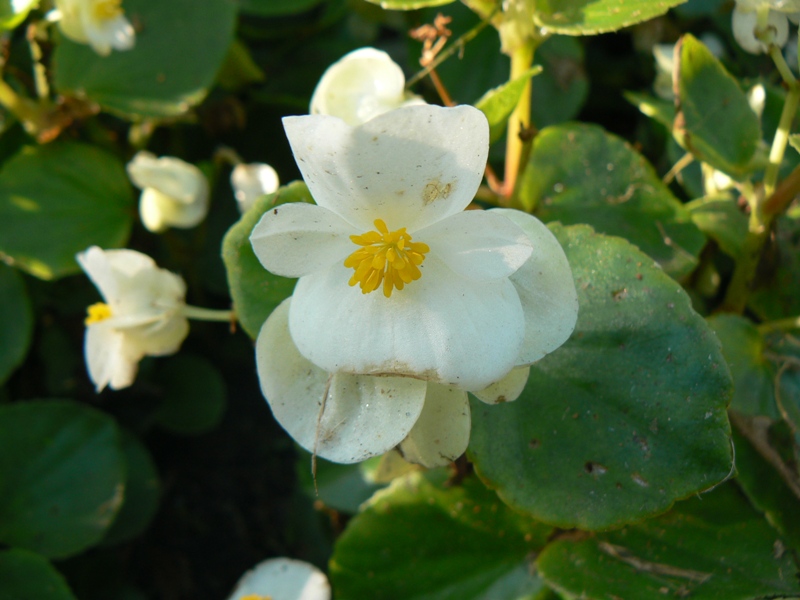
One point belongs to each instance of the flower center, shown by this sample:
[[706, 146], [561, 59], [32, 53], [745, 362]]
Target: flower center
[[385, 257], [97, 312], [105, 10]]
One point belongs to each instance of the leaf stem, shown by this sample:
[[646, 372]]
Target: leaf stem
[[208, 314], [518, 122], [26, 110], [781, 134], [779, 325]]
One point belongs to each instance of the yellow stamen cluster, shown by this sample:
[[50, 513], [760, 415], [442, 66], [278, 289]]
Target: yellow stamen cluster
[[97, 312], [385, 257], [255, 597], [105, 10]]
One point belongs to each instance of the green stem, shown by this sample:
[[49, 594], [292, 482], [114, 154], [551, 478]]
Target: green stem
[[27, 111], [521, 60], [784, 127], [207, 314], [779, 325], [747, 262]]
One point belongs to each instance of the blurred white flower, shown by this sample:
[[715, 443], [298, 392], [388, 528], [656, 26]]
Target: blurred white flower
[[282, 579], [174, 193], [99, 23], [361, 85], [141, 314], [250, 181], [404, 300], [746, 29]]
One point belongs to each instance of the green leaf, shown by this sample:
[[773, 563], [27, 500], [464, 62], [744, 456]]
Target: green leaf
[[660, 110], [753, 375], [775, 295], [708, 548], [340, 487], [498, 103], [239, 69], [587, 17], [794, 140], [30, 576], [720, 219], [271, 8], [14, 12], [409, 4], [559, 94], [579, 173], [627, 416], [142, 490], [16, 322], [62, 476], [418, 539], [179, 49], [714, 120], [194, 395], [59, 199], [256, 291]]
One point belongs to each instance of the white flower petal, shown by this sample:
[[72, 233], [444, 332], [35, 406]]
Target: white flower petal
[[359, 86], [546, 290], [507, 389], [251, 181], [441, 433], [478, 244], [744, 27], [441, 328], [114, 33], [296, 239], [172, 176], [109, 360], [159, 211], [283, 579], [410, 167], [362, 417]]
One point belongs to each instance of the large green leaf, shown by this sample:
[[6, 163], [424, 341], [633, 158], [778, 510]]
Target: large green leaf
[[180, 45], [59, 199], [28, 576], [62, 476], [256, 291], [587, 17], [720, 218], [710, 548], [714, 120], [579, 173], [625, 418], [16, 321], [420, 540]]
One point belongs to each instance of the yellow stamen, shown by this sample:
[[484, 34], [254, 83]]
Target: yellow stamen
[[97, 312], [388, 258], [105, 10], [255, 597]]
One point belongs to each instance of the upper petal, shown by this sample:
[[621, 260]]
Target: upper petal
[[108, 268], [546, 290], [441, 328], [410, 167], [172, 176], [297, 238], [343, 418], [283, 579], [478, 244]]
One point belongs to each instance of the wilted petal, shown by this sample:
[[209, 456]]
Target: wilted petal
[[507, 389], [477, 244], [296, 239], [283, 579], [410, 167], [441, 328], [441, 433], [362, 416], [546, 290]]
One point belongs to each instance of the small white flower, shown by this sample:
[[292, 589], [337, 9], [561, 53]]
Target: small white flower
[[404, 300], [361, 85], [250, 181], [174, 193], [282, 579], [141, 314], [99, 23], [745, 28]]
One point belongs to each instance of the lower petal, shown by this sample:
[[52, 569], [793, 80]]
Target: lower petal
[[109, 360], [343, 418], [441, 433], [507, 389]]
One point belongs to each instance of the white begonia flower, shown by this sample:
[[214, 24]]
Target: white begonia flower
[[282, 579], [404, 300], [141, 314], [360, 86], [99, 23], [174, 192], [251, 181], [745, 27]]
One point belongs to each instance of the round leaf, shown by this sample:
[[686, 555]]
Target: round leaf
[[58, 200], [62, 476], [16, 321], [29, 576], [256, 291], [418, 539], [587, 17], [581, 174], [627, 416], [180, 46]]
